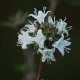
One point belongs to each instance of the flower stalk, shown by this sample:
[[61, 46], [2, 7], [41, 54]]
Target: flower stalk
[[40, 69]]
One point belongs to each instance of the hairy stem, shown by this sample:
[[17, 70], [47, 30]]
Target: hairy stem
[[40, 69]]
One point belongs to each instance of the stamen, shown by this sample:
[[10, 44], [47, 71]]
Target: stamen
[[69, 28], [60, 19], [54, 18], [18, 45], [50, 62], [35, 11], [44, 8], [30, 22], [68, 39], [66, 50], [65, 18], [35, 21]]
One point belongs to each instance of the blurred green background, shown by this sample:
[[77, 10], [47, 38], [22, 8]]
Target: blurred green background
[[65, 68]]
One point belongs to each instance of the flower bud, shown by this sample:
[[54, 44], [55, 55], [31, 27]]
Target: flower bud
[[50, 39]]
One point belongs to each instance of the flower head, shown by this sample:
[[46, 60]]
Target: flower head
[[46, 37]]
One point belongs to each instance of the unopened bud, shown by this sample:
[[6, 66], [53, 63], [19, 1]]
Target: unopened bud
[[50, 39]]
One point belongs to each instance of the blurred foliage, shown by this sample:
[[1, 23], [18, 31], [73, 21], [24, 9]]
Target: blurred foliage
[[73, 2], [16, 20], [21, 67]]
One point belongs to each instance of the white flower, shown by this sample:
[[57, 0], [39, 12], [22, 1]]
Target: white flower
[[61, 25], [40, 38], [50, 20], [40, 16], [24, 39], [47, 54], [61, 45], [31, 28]]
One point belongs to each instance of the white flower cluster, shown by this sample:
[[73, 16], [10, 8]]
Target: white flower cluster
[[46, 36]]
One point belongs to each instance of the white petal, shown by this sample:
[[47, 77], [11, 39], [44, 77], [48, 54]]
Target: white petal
[[50, 19], [24, 46], [40, 38], [31, 27], [44, 57], [61, 45], [46, 13], [24, 39], [61, 49], [61, 25], [40, 14], [34, 16], [52, 56], [47, 54], [40, 17], [65, 43]]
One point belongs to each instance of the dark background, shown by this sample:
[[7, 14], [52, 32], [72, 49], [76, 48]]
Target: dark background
[[65, 68]]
